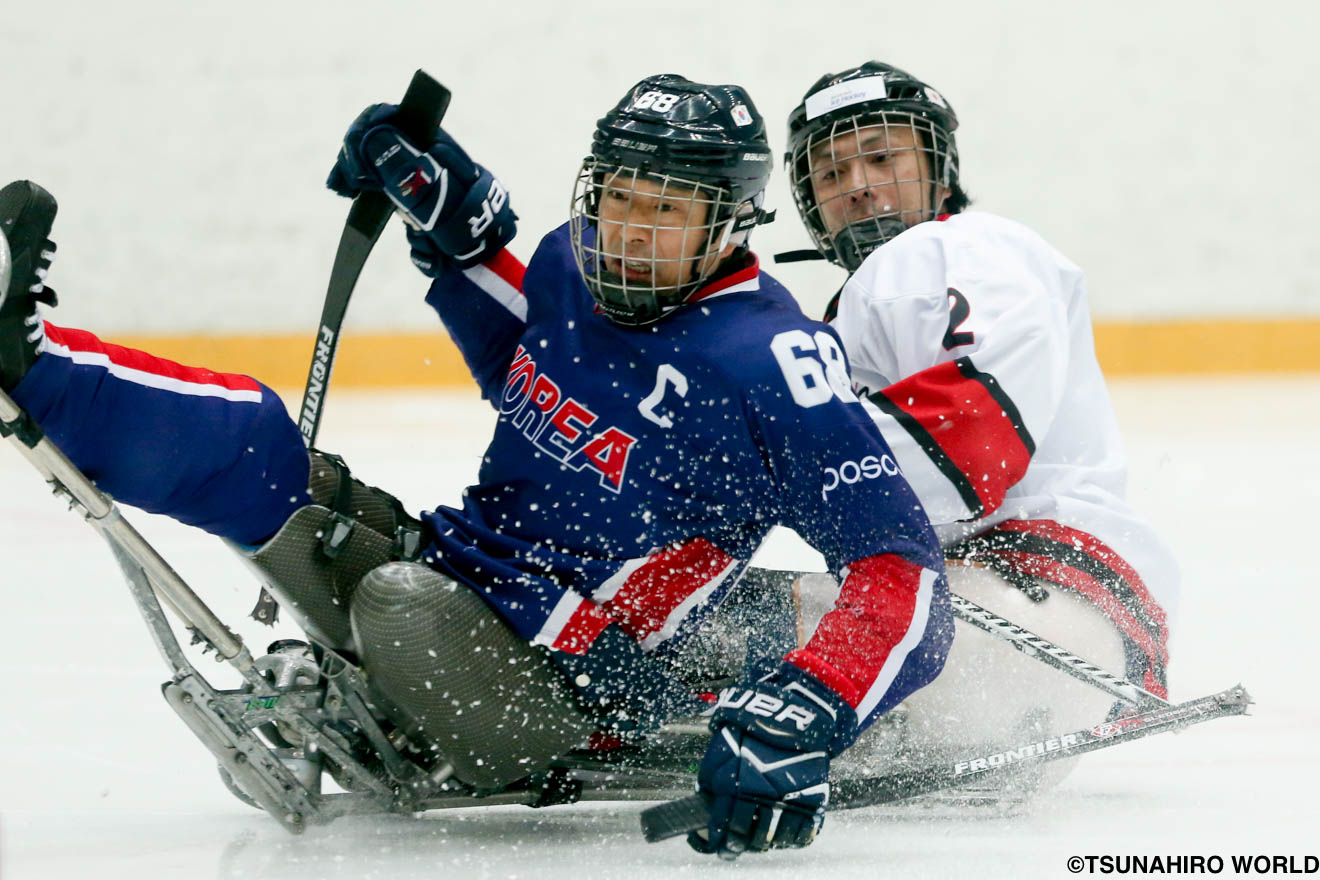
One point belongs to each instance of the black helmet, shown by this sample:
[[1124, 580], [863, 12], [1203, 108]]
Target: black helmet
[[841, 104], [669, 140]]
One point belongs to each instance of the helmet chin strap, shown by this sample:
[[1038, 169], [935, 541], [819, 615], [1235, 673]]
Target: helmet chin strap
[[738, 229], [803, 255], [727, 235]]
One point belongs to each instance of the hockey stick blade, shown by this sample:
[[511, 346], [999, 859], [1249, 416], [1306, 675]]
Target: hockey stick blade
[[421, 110], [677, 817], [901, 786]]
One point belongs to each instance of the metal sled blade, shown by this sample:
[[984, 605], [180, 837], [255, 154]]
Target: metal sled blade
[[248, 761]]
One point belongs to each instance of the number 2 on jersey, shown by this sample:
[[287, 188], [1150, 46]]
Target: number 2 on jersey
[[959, 310]]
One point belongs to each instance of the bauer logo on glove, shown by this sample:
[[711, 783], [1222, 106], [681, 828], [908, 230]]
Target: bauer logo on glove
[[767, 706]]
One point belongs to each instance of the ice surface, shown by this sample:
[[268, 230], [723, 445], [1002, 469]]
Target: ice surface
[[99, 778]]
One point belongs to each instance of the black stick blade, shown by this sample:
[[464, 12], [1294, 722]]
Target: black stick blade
[[673, 818]]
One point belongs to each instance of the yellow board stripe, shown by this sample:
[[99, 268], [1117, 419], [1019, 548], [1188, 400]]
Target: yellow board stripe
[[398, 360], [1284, 345], [364, 360]]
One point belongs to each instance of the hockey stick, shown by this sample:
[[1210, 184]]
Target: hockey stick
[[421, 110], [673, 818], [1039, 648], [1052, 655]]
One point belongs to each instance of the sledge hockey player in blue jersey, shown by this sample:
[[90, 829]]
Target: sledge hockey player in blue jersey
[[663, 403]]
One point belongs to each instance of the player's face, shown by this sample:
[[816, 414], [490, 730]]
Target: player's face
[[872, 171], [654, 233]]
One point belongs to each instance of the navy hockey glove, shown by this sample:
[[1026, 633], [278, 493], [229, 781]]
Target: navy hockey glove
[[625, 690], [765, 775], [457, 212]]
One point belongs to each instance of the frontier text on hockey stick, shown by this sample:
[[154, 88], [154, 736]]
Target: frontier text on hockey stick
[[976, 765]]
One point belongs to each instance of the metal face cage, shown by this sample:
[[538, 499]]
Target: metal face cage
[[643, 241], [861, 180]]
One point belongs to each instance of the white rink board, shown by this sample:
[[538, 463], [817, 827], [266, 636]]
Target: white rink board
[[99, 778], [1167, 148]]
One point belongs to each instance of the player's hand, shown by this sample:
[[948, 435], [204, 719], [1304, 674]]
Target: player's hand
[[765, 775], [625, 690], [457, 212]]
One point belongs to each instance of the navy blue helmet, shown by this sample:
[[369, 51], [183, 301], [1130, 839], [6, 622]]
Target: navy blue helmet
[[676, 176]]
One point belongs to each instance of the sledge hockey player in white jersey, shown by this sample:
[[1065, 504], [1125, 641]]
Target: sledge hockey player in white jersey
[[970, 340], [663, 403]]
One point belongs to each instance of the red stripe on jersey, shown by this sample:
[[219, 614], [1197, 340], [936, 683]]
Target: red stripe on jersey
[[508, 267], [826, 675], [651, 593], [874, 611], [582, 628], [1096, 549], [745, 274], [1113, 607], [81, 340], [1151, 682], [969, 425]]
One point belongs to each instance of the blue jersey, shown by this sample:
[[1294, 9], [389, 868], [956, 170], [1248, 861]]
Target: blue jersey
[[632, 473]]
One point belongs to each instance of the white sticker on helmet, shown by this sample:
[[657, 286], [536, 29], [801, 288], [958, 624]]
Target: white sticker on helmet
[[740, 115], [852, 91]]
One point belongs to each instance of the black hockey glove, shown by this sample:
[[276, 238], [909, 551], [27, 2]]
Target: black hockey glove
[[765, 776], [457, 212], [623, 689]]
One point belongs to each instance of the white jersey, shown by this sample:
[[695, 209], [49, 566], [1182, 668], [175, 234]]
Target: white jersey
[[971, 340]]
